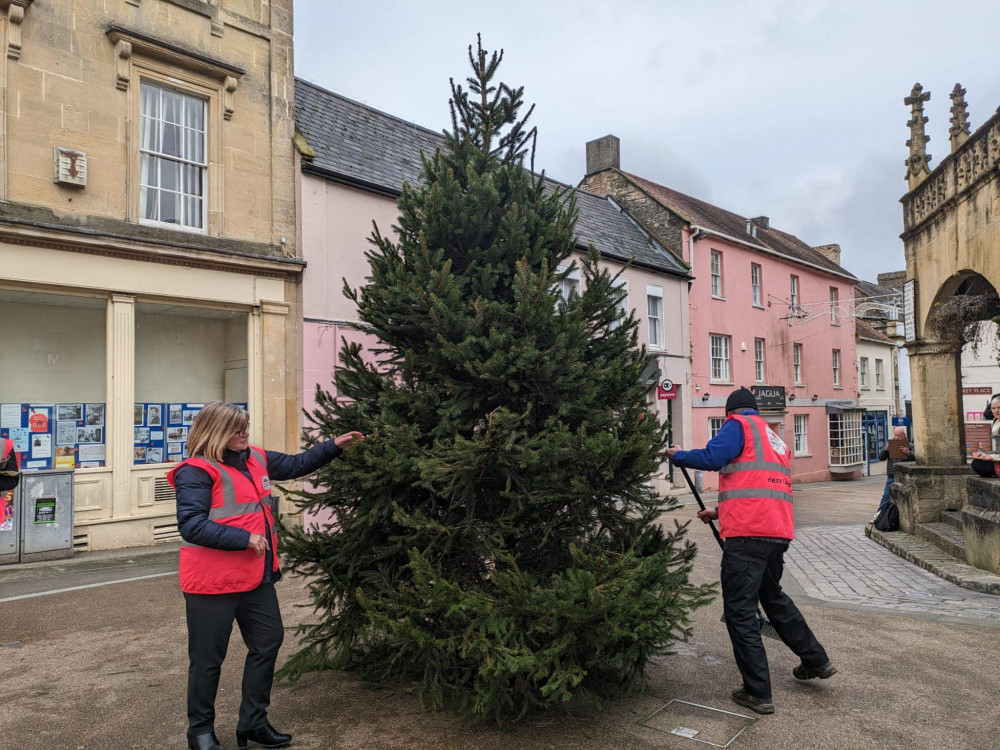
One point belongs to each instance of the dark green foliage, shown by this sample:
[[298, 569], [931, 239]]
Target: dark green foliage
[[495, 541]]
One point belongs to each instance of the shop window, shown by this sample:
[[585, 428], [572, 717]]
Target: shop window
[[184, 357], [54, 381], [846, 439]]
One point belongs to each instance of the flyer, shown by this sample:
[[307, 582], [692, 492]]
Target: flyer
[[66, 433], [7, 511], [38, 418], [154, 455], [41, 446], [65, 457], [174, 414], [90, 434], [156, 436], [90, 453], [45, 510], [141, 435], [95, 415], [20, 438], [69, 412], [154, 416], [138, 415], [10, 415]]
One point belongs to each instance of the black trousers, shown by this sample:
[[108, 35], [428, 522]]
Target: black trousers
[[983, 468], [210, 623], [751, 572]]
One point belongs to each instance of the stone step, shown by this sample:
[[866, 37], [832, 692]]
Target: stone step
[[933, 559], [953, 518], [943, 536]]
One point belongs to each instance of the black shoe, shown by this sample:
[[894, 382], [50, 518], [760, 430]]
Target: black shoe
[[802, 672], [752, 702], [265, 736], [206, 741]]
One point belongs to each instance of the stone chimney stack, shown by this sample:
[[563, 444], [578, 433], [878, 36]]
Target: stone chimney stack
[[830, 252], [762, 222], [892, 280], [604, 153]]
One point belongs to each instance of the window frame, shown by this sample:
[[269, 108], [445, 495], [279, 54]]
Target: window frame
[[756, 289], [800, 441], [836, 368], [623, 303], [202, 85], [793, 292], [759, 363], [653, 291], [863, 373], [879, 374], [726, 360], [797, 364], [715, 267], [712, 429], [573, 279], [160, 156], [834, 302]]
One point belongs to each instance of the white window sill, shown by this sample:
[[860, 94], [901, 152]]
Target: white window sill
[[721, 299], [759, 307], [175, 227], [802, 455]]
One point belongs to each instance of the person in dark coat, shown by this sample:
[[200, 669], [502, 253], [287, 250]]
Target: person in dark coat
[[229, 564], [899, 433]]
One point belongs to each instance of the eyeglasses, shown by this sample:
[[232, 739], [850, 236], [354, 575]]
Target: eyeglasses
[[244, 431]]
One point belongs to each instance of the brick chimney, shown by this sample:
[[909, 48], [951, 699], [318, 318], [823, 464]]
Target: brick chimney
[[830, 252], [762, 222], [604, 153]]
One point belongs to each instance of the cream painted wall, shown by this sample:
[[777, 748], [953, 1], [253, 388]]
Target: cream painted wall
[[185, 359], [873, 398], [55, 353]]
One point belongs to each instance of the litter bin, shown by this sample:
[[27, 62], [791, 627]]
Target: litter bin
[[45, 514], [10, 528]]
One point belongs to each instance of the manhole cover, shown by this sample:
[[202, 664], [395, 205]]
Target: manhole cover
[[710, 726]]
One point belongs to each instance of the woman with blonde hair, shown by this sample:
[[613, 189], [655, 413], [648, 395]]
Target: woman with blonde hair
[[229, 563], [983, 463]]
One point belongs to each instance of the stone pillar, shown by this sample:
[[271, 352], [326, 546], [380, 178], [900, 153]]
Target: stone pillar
[[120, 417], [938, 428], [274, 371]]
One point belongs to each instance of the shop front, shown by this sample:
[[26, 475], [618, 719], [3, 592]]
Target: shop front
[[107, 360]]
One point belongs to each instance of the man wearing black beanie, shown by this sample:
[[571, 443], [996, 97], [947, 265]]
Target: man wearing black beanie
[[757, 524]]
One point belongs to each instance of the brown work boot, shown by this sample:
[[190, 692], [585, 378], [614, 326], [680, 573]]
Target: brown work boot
[[755, 704], [802, 672]]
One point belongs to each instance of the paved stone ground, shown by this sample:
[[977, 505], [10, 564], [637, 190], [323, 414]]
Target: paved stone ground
[[838, 564]]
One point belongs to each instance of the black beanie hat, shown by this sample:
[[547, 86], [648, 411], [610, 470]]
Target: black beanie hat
[[741, 399]]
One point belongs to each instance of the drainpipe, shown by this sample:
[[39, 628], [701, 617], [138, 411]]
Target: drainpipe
[[693, 234]]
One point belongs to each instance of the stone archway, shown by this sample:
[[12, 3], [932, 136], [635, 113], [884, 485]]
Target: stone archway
[[951, 236]]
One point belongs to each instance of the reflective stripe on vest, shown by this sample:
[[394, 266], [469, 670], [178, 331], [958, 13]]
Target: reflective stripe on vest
[[755, 494], [759, 463]]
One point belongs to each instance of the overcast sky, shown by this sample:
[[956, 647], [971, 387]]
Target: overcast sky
[[791, 109]]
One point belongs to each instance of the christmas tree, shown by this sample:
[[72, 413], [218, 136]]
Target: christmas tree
[[496, 539]]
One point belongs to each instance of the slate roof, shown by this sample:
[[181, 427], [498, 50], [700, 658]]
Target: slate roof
[[713, 218], [865, 331], [373, 150], [868, 289]]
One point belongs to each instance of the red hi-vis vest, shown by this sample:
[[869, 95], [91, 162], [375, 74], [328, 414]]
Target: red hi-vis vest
[[235, 502], [755, 489], [8, 448]]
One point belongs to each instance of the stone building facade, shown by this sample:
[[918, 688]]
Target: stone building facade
[[951, 236], [148, 258]]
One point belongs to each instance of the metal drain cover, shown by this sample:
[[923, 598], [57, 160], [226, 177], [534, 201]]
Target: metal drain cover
[[710, 726]]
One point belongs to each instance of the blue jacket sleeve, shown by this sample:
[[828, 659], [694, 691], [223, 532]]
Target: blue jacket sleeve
[[723, 448], [194, 498], [281, 466]]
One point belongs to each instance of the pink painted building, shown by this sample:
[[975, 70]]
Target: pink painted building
[[763, 314], [353, 161]]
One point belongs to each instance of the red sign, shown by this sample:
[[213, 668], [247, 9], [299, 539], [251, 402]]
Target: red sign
[[666, 390], [977, 390]]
